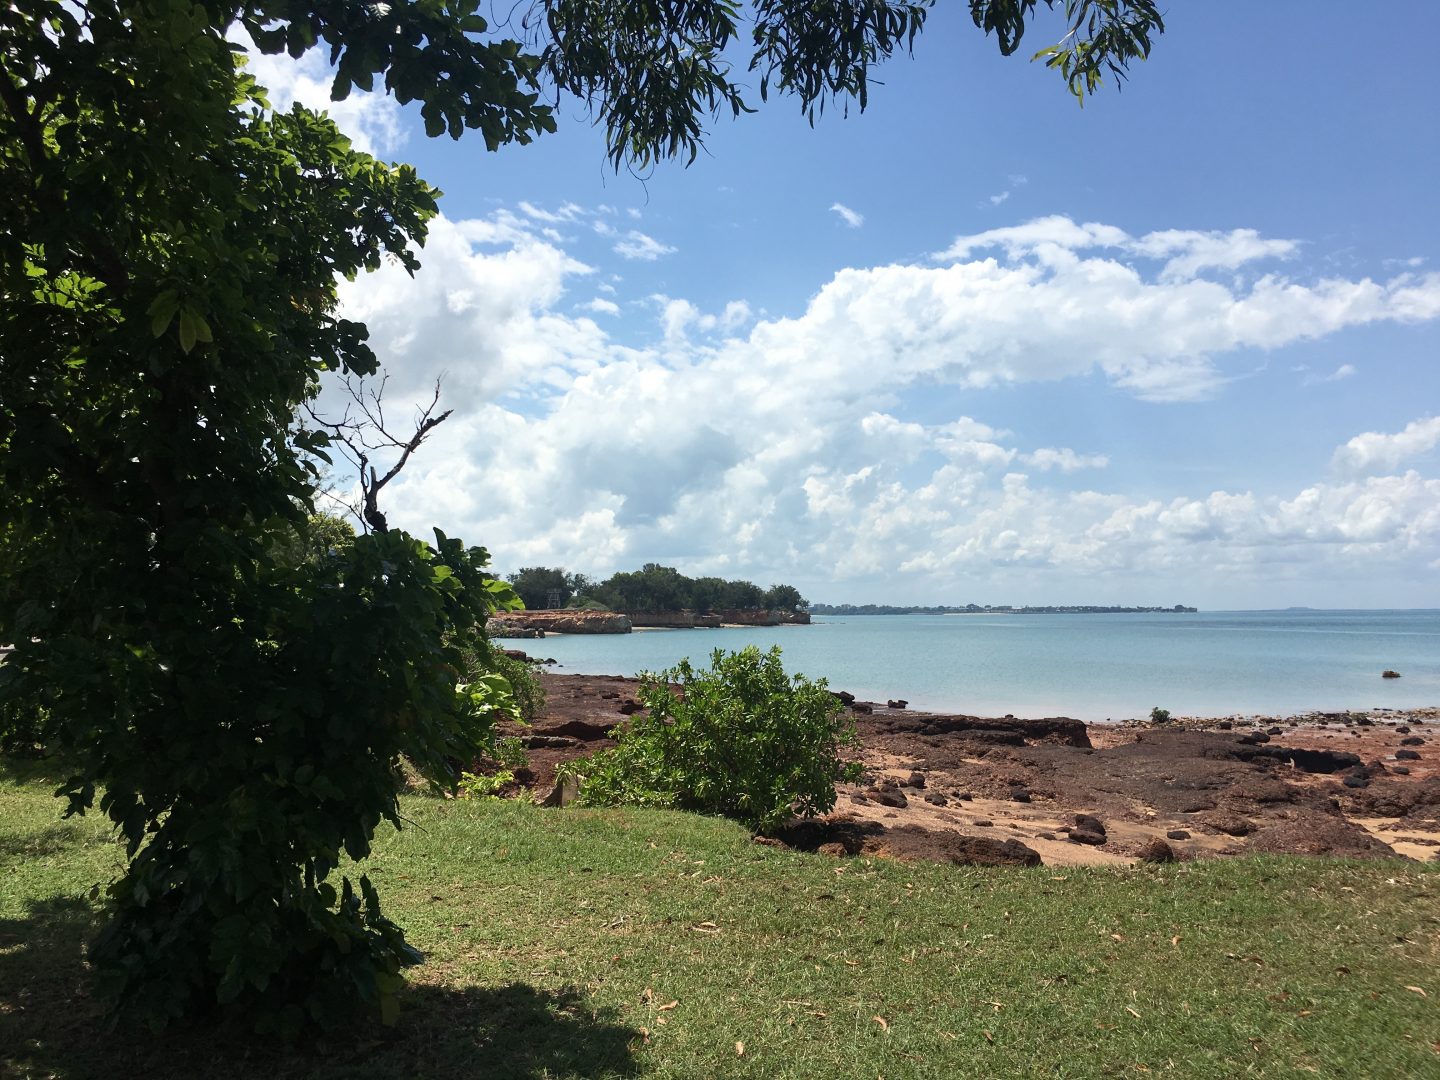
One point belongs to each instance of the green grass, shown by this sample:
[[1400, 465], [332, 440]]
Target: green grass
[[555, 939]]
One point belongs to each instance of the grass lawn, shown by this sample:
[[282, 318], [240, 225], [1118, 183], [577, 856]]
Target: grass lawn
[[567, 943]]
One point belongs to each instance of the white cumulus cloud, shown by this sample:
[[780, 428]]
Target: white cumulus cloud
[[783, 447], [1377, 452], [371, 120]]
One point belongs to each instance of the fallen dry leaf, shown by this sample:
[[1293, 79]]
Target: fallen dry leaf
[[884, 1024], [739, 1048], [988, 1037], [667, 1008], [1417, 990], [1175, 940], [706, 928], [1117, 937], [1132, 1012], [647, 995]]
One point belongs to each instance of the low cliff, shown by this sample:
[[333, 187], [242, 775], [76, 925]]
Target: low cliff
[[764, 617], [563, 621], [686, 620]]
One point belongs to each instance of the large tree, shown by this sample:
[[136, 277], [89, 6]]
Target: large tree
[[167, 301]]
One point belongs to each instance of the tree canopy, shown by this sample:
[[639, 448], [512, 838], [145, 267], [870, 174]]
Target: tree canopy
[[651, 588], [167, 301]]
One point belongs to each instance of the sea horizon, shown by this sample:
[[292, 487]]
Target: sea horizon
[[1095, 667]]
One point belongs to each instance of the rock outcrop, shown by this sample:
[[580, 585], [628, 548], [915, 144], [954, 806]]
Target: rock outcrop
[[764, 617], [680, 620], [561, 621]]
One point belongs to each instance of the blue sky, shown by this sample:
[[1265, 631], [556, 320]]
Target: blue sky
[[976, 344]]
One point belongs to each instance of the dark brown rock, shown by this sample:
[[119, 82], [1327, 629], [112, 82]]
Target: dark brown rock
[[1156, 851], [983, 851], [936, 799], [1227, 822], [1407, 755], [916, 780], [1177, 834], [1310, 833], [1413, 740]]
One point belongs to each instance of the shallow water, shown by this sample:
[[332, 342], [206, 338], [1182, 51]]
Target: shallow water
[[1093, 667]]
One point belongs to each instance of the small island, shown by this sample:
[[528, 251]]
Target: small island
[[653, 597]]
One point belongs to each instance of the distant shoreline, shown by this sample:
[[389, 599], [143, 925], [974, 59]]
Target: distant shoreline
[[843, 610]]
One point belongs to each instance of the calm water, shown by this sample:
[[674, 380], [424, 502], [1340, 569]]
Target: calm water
[[1087, 666]]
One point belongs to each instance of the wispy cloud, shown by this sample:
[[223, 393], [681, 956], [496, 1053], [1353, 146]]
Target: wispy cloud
[[1344, 371], [1187, 251], [637, 245], [567, 212], [999, 197], [850, 217]]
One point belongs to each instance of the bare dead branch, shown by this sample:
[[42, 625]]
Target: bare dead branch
[[362, 430]]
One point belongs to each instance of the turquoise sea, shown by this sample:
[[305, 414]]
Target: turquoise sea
[[1094, 667]]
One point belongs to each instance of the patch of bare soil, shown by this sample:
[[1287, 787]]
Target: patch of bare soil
[[1011, 791]]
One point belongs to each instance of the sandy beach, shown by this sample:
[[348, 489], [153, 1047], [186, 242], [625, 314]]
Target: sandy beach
[[1010, 790]]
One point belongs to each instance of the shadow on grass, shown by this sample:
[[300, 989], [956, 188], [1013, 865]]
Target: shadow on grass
[[51, 840], [50, 1026]]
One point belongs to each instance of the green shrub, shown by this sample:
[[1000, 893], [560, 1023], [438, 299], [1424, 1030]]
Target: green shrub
[[741, 739], [475, 786], [510, 753], [23, 730], [1159, 715], [484, 659]]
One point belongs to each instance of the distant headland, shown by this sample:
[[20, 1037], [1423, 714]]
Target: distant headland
[[993, 609]]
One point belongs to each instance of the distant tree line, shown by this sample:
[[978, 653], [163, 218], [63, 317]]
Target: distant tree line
[[651, 588]]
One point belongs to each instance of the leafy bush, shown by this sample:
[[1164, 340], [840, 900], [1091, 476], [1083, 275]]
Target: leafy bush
[[23, 730], [1159, 715], [475, 786], [741, 739], [510, 753], [524, 680]]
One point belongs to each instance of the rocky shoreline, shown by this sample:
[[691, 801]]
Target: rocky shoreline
[[1011, 791], [536, 624]]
